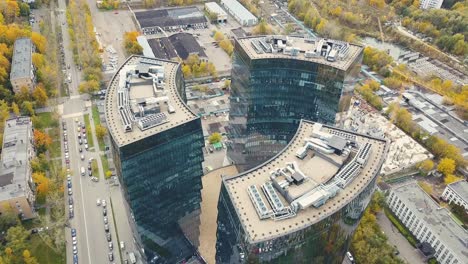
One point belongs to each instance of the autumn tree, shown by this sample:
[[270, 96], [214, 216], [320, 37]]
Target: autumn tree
[[450, 178], [263, 28], [40, 96], [42, 183], [218, 36], [446, 166], [426, 166], [187, 71], [215, 138], [15, 109], [227, 46], [8, 218], [27, 108], [131, 44], [28, 259], [100, 131], [41, 140]]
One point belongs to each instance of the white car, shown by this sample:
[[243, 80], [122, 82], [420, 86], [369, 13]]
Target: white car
[[74, 240], [82, 157], [98, 202], [86, 146], [104, 203], [122, 245]]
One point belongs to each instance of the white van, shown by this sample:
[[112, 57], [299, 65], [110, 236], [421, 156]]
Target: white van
[[83, 171]]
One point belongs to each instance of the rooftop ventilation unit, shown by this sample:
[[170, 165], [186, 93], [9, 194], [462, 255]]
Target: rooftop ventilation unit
[[121, 99], [125, 120], [363, 154], [152, 121], [272, 197], [258, 202], [256, 47], [347, 174], [265, 46]]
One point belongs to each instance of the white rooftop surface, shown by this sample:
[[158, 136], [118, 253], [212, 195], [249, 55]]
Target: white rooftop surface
[[404, 151], [437, 219], [147, 51], [239, 9], [215, 8], [317, 171], [182, 113], [303, 46], [15, 158], [461, 188]]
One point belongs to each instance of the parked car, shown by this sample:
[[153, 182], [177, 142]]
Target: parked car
[[104, 204], [73, 232], [122, 245], [111, 246], [109, 237], [70, 200], [82, 157], [111, 256], [104, 212], [86, 146], [98, 202], [106, 220], [70, 191]]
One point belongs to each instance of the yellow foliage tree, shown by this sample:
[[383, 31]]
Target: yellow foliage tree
[[39, 41], [446, 166], [426, 166], [40, 95], [451, 178], [42, 183], [218, 36]]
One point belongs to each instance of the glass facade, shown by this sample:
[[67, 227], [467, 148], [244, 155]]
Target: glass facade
[[269, 97], [161, 176], [324, 242]]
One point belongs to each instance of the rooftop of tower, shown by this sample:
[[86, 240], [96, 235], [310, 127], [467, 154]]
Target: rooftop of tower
[[142, 100], [335, 53], [319, 172]]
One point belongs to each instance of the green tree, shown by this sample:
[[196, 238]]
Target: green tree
[[15, 109], [215, 138], [8, 218], [27, 108], [16, 238]]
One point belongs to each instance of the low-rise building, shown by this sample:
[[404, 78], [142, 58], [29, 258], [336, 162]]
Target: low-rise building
[[239, 12], [430, 223], [22, 70], [214, 8], [16, 183], [457, 192], [429, 4]]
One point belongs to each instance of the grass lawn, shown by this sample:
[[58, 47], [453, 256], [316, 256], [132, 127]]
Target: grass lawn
[[43, 253], [46, 120], [95, 168], [97, 121], [105, 164], [89, 132]]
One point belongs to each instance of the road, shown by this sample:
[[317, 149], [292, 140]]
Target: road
[[88, 220]]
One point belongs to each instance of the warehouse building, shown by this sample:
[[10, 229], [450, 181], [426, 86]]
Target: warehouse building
[[429, 223], [170, 19], [180, 45], [239, 12], [214, 8]]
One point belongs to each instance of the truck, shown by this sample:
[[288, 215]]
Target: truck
[[132, 257]]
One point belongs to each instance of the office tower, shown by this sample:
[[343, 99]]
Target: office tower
[[157, 145], [279, 80], [302, 205]]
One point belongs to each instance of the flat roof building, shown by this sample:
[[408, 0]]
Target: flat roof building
[[170, 19], [177, 46], [303, 205], [429, 4], [430, 223], [278, 80], [239, 12], [157, 149], [457, 192], [16, 184], [22, 70], [214, 8]]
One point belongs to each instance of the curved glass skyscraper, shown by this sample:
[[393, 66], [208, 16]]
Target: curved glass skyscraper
[[157, 145], [276, 82], [303, 205]]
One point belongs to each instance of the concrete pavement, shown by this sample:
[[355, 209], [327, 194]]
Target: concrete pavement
[[407, 252]]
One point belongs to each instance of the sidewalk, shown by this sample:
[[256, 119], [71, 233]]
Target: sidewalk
[[407, 252]]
